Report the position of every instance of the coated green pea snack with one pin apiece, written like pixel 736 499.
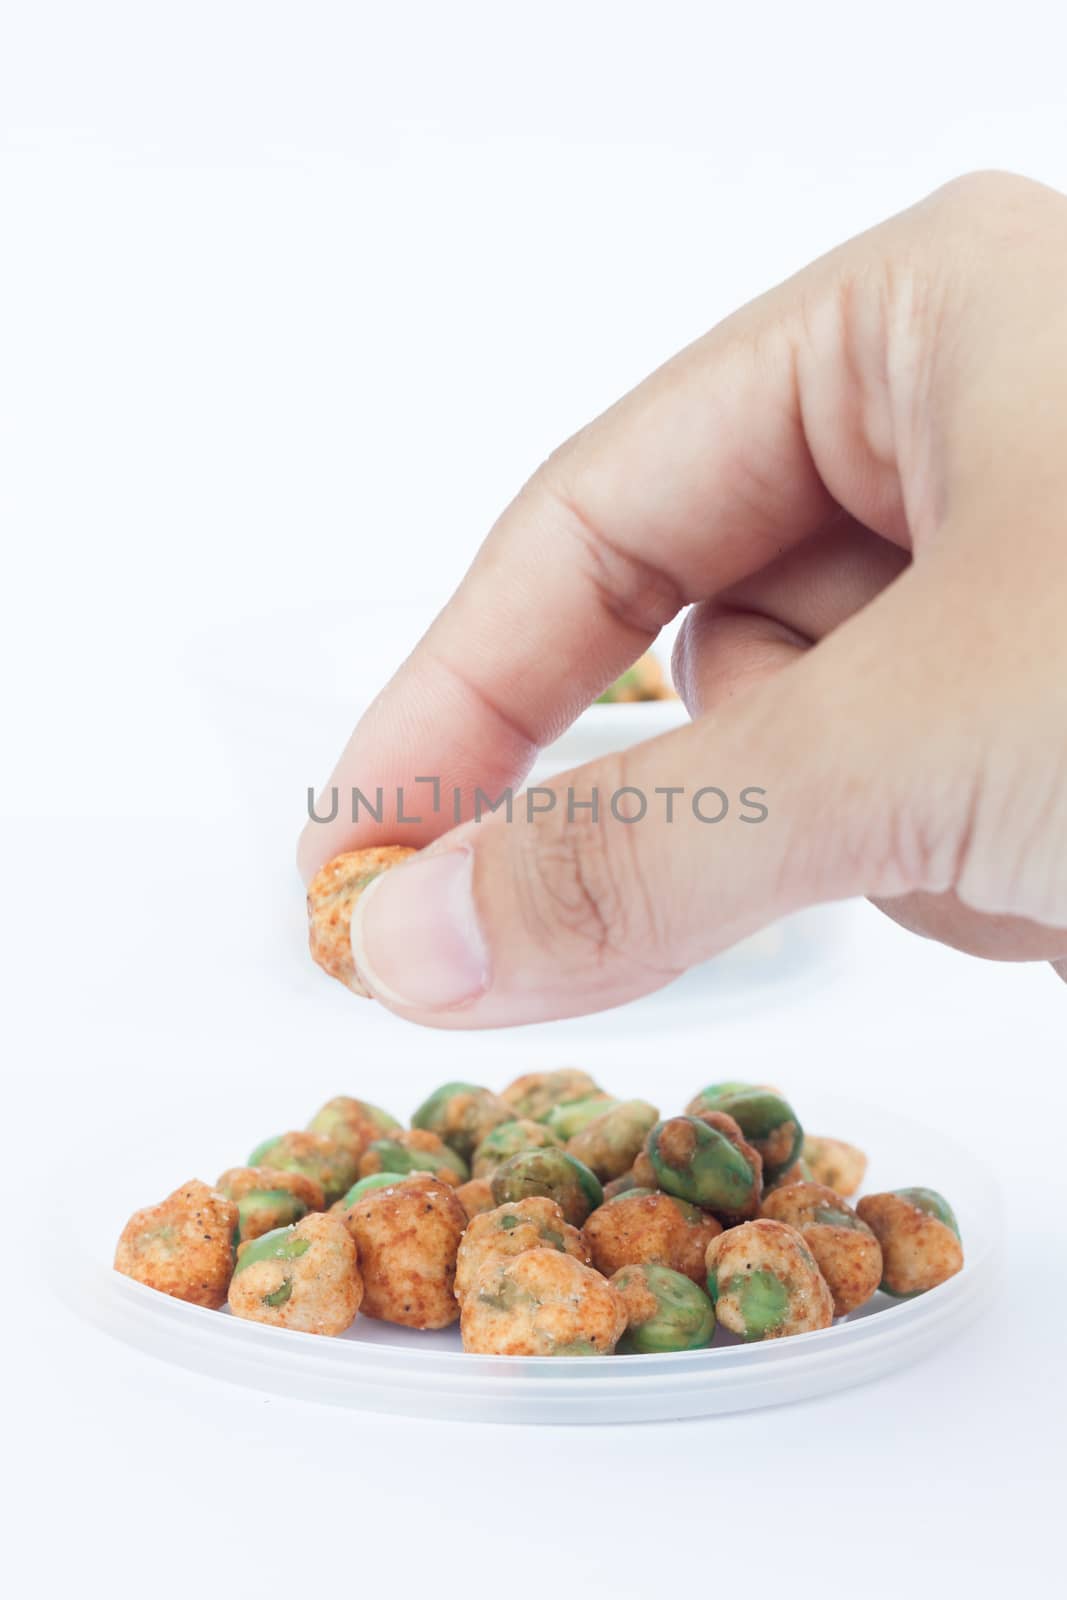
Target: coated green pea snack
pixel 183 1246
pixel 507 1139
pixel 919 1236
pixel 699 1163
pixel 846 1250
pixel 407 1236
pixel 552 1173
pixel 305 1277
pixel 541 1303
pixel 838 1165
pixel 569 1117
pixel 665 1311
pixel 414 1150
pixel 609 1143
pixel 269 1197
pixel 646 1225
pixel 373 1180
pixel 462 1114
pixel 535 1093
pixel 552 1219
pixel 764 1282
pixel 352 1123
pixel 534 1224
pixel 315 1155
pixel 768 1122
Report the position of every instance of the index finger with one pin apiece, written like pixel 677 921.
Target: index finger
pixel 693 481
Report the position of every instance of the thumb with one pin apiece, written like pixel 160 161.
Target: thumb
pixel 616 877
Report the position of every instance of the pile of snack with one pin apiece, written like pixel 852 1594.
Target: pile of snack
pixel 549 1220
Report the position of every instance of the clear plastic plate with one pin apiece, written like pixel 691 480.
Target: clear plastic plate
pixel 378 1367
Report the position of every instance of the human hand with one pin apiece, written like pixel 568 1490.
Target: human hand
pixel 859 484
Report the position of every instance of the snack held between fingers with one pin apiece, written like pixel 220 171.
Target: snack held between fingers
pixel 331 896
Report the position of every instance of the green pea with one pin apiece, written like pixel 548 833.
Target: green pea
pixel 708 1098
pixel 505 1295
pixel 768 1122
pixel 280 1204
pixel 258 1158
pixel 572 1116
pixel 711 1172
pixel 933 1204
pixel 763 1300
pixel 623 1185
pixel 507 1139
pixel 282 1244
pixel 535 1093
pixel 461 1114
pixel 398 1158
pixel 280 1295
pixel 339 1117
pixel 375 1180
pixel 832 1218
pixel 315 1154
pixel 684 1318
pixel 432 1114
pixel 554 1173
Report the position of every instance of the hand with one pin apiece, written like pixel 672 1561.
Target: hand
pixel 859 485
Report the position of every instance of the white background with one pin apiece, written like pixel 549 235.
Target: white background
pixel 292 298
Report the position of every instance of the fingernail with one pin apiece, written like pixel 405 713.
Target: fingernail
pixel 415 936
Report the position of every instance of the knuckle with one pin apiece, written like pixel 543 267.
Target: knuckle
pixel 997 208
pixel 634 592
pixel 579 883
pixel 1015 860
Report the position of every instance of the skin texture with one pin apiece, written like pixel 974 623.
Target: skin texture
pixel 838 1165
pixel 507 1140
pixel 536 1224
pixel 462 1114
pixel 476 1196
pixel 856 484
pixel 306 1277
pixel 331 895
pixel 183 1246
pixel 766 1120
pixel 609 1144
pixel 920 1245
pixel 846 1251
pixel 331 1166
pixel 408 1239
pixel 541 1303
pixel 553 1173
pixel 664 1311
pixel 535 1093
pixel 701 1164
pixel 268 1198
pixel 414 1150
pixel 646 1226
pixel 764 1282
pixel 353 1123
